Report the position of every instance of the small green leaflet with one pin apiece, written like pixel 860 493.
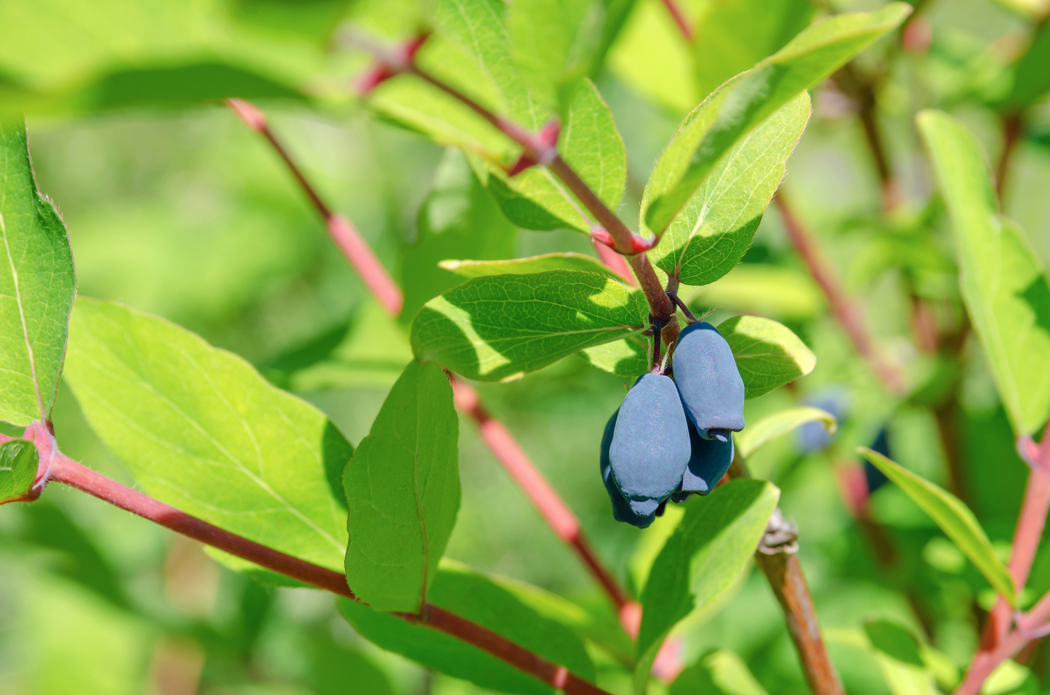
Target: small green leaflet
pixel 503 326
pixel 900 658
pixel 1003 281
pixel 954 518
pixel 751 439
pixel 747 100
pixel 525 266
pixel 476 598
pixel 715 228
pixel 201 430
pixel 552 42
pixel 37 286
pixel 402 486
pixel 767 353
pixel 18 464
pixel 701 560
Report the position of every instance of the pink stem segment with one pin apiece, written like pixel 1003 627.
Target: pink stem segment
pixel 70 473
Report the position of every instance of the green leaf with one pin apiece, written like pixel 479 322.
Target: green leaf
pixel 477 27
pixel 500 327
pixel 628 358
pixel 772 426
pixel 1031 78
pixel 719 672
pixel 900 658
pixel 18 464
pixel 526 266
pixel 201 430
pixel 954 518
pixel 592 146
pixel 476 598
pixel 552 42
pixel 705 555
pixel 767 353
pixel 732 36
pixel 1003 281
pixel 738 106
pixel 458 219
pixel 402 486
pixel 37 286
pixel 715 228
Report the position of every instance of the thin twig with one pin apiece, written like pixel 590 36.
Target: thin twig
pixel 780 565
pixel 998 642
pixel 846 311
pixel 1012 128
pixel 679 19
pixel 496 436
pixel 70 473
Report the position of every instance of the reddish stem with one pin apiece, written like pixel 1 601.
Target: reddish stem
pixel 1012 128
pixel 679 19
pixel 66 471
pixel 998 643
pixel 345 236
pixel 846 311
pixel 499 440
pixel 551 507
pixel 614 261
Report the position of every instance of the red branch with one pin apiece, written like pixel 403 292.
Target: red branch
pixel 845 309
pixel 679 19
pixel 499 440
pixel 345 236
pixel 998 643
pixel 66 471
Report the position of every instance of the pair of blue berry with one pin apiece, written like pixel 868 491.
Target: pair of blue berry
pixel 670 439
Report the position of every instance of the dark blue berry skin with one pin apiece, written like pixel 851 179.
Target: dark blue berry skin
pixel 709 381
pixel 874 477
pixel 650 446
pixel 621 509
pixel 710 460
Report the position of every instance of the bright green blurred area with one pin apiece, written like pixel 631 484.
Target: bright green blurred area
pixel 186 214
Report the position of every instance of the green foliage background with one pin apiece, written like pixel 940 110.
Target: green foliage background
pixel 184 213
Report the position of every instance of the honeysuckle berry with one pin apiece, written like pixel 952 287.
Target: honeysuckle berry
pixel 649 448
pixel 621 509
pixel 872 475
pixel 708 381
pixel 813 436
pixel 709 461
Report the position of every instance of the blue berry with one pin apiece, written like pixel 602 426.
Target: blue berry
pixel 710 460
pixel 621 509
pixel 709 382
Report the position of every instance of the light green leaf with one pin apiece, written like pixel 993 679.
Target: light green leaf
pixel 18 464
pixel 628 358
pixel 767 353
pixel 732 36
pixel 747 100
pixel 500 327
pixel 458 219
pixel 525 266
pixel 592 146
pixel 477 27
pixel 707 552
pixel 718 672
pixel 1003 282
pixel 476 598
pixel 715 228
pixel 402 486
pixel 765 290
pixel 954 518
pixel 772 426
pixel 201 430
pixel 37 286
pixel 900 658
pixel 552 42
